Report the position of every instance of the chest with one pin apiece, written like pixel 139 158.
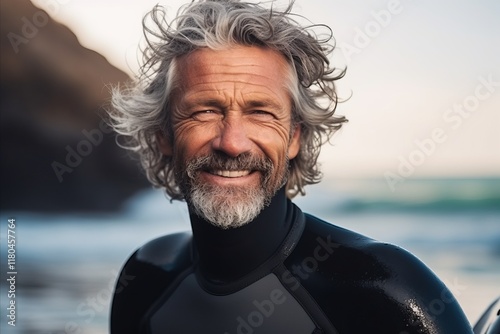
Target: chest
pixel 263 307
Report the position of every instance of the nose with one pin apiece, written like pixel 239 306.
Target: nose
pixel 233 138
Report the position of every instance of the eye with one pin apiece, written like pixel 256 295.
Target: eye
pixel 206 115
pixel 262 114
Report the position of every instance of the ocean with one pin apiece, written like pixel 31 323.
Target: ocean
pixel 67 264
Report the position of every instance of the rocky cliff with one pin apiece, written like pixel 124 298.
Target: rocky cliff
pixel 56 152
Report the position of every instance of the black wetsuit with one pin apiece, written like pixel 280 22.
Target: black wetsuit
pixel 285 272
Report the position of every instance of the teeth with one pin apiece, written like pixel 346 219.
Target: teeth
pixel 231 173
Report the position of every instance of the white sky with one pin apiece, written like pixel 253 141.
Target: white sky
pixel 413 66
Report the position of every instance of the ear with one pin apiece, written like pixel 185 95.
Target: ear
pixel 164 143
pixel 294 147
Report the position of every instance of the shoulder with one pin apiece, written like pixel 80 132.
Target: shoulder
pixel 361 251
pixel 380 282
pixel 144 277
pixel 167 252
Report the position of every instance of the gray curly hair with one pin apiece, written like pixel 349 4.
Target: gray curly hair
pixel 142 110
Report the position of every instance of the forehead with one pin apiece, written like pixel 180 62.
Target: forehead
pixel 254 66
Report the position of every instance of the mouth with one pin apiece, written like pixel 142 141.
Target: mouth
pixel 230 173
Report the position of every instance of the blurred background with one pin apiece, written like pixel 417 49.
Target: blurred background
pixel 417 165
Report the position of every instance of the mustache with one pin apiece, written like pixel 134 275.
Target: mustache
pixel 218 161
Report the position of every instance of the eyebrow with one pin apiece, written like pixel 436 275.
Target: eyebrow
pixel 204 102
pixel 211 102
pixel 264 103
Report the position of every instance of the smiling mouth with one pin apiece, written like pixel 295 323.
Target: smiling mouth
pixel 230 173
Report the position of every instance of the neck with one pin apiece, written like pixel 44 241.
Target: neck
pixel 226 255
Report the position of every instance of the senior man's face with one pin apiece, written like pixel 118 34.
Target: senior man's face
pixel 232 132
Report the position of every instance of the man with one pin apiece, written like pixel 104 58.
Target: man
pixel 229 114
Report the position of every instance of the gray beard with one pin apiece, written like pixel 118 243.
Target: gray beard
pixel 230 207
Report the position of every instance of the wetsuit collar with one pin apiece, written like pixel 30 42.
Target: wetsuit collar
pixel 226 255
